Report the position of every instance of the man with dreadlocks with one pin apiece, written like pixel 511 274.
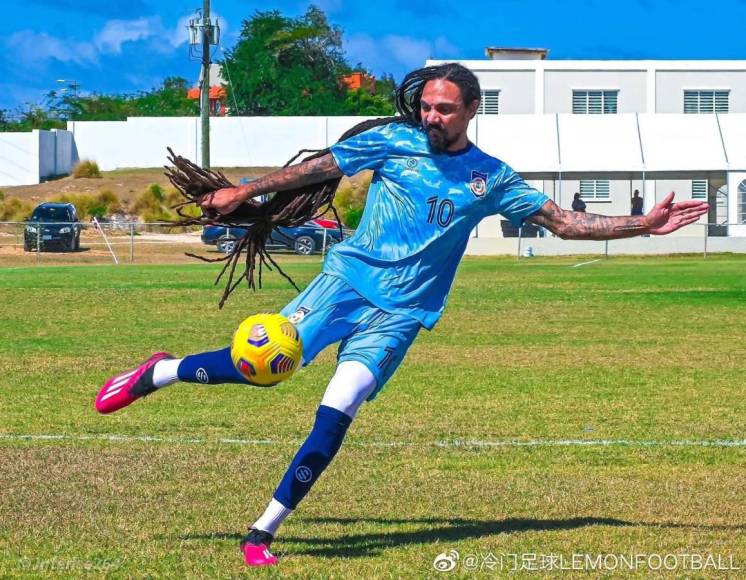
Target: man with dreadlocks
pixel 430 188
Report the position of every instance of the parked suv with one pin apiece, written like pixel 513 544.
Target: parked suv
pixel 52 225
pixel 304 239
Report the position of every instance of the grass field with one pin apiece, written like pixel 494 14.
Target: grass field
pixel 476 445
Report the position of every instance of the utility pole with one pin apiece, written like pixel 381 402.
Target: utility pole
pixel 203 32
pixel 204 109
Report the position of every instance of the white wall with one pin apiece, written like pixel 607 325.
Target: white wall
pixel 47 154
pixel 19 158
pixel 234 141
pixel 516 89
pixel 670 86
pixel 27 158
pixel 67 154
pixel 559 85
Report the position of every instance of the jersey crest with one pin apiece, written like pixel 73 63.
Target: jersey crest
pixel 478 184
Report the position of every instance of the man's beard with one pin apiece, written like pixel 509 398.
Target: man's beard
pixel 438 139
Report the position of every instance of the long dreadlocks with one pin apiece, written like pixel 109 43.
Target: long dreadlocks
pixel 293 207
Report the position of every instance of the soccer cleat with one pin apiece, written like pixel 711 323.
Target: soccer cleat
pixel 255 549
pixel 123 389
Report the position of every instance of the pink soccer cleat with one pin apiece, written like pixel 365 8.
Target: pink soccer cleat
pixel 123 389
pixel 255 549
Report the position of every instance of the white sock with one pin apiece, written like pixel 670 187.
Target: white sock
pixel 164 372
pixel 272 517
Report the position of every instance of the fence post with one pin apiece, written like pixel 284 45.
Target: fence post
pixel 38 240
pixel 520 233
pixel 606 248
pixel 132 242
pixel 707 226
pixel 323 246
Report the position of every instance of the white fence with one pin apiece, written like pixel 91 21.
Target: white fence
pixel 235 141
pixel 130 242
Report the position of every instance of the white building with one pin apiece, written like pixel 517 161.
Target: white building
pixel 607 128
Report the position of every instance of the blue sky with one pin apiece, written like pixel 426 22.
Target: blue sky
pixel 131 45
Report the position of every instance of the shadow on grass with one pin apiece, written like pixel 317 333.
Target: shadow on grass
pixel 435 530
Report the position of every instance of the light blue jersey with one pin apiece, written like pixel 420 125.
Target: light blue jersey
pixel 420 211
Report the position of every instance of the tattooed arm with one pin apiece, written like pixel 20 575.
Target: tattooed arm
pixel 226 200
pixel 664 218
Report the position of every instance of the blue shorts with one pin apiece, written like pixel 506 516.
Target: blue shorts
pixel 329 311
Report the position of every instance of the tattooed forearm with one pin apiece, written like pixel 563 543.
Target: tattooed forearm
pixel 571 225
pixel 294 177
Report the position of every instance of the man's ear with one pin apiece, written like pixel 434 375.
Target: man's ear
pixel 472 108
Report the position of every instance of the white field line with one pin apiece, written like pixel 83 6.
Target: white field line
pixel 586 263
pixel 450 443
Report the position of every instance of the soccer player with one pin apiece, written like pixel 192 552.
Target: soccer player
pixel 378 288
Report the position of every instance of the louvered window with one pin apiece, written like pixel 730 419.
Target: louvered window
pixel 703 102
pixel 594 102
pixel 594 189
pixel 699 189
pixel 490 103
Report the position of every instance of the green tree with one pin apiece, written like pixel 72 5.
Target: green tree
pixel 291 66
pixel 361 102
pixel 287 66
pixel 168 100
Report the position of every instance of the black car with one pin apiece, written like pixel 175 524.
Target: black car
pixel 304 239
pixel 52 225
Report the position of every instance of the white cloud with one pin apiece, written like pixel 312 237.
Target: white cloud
pixel 116 32
pixel 32 48
pixel 407 50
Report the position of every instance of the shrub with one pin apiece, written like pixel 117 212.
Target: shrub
pixel 152 205
pixel 350 199
pixel 86 168
pixel 13 209
pixel 100 205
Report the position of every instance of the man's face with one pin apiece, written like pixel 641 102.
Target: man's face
pixel 444 115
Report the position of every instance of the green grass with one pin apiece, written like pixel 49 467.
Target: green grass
pixel 639 352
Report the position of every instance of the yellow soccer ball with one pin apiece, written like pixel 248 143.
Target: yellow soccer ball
pixel 266 349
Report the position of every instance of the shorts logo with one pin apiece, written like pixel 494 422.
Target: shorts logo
pixel 298 316
pixel 387 358
pixel 478 184
pixel 411 163
pixel 202 376
pixel 303 474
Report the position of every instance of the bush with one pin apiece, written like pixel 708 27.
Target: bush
pixel 104 203
pixel 13 209
pixel 350 199
pixel 154 204
pixel 86 168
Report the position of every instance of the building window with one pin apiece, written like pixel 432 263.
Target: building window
pixel 490 103
pixel 701 102
pixel 699 189
pixel 742 200
pixel 594 102
pixel 594 189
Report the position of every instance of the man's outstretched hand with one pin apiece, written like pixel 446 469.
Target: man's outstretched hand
pixel 667 217
pixel 222 201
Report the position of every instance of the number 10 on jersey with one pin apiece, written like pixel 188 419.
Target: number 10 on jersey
pixel 442 209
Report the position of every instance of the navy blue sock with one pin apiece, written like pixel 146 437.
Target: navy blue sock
pixel 210 368
pixel 315 454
